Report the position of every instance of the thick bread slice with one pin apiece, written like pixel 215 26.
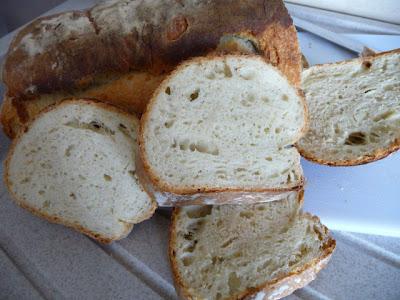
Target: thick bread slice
pixel 75 165
pixel 258 251
pixel 223 124
pixel 118 47
pixel 354 110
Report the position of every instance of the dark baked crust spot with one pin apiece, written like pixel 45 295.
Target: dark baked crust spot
pixel 177 27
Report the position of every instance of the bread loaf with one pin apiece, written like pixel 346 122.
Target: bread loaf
pixel 75 165
pixel 119 51
pixel 223 124
pixel 259 251
pixel 354 110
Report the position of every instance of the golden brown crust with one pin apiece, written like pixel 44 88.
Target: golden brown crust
pixel 367 158
pixel 360 59
pixel 182 31
pixel 128 226
pixel 299 277
pixel 9 118
pixel 376 155
pixel 206 198
pixel 304 62
pixel 296 279
pixel 161 186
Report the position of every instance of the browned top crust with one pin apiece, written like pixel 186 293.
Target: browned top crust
pixel 71 50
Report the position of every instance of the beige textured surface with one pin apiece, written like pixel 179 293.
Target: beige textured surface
pixel 354 110
pixel 75 165
pixel 237 251
pixel 224 123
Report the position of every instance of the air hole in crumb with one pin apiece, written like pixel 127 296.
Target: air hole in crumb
pixel 269 158
pixel 246 214
pixel 278 130
pixel 68 150
pixel 200 146
pixel 366 64
pixel 107 177
pixel 190 248
pixel 228 242
pixel 356 138
pixel 95 126
pixel 199 212
pixel 194 95
pixel 384 116
pixel 169 123
pixel 188 236
pixel 41 192
pixel 233 283
pixel 238 170
pixel 251 98
pixel 124 130
pixel 73 196
pixel 264 265
pixel 132 173
pixel 210 76
pixel 25 180
pixel 289 179
pixel 187 260
pixel 168 90
pixel 184 145
pixel 373 136
pixel 369 90
pixel 227 70
pixel 285 97
pixel 217 260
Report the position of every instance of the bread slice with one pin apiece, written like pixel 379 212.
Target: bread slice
pixel 257 251
pixel 223 124
pixel 354 110
pixel 75 165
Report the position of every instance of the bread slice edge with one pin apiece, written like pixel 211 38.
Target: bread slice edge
pixel 128 226
pixel 160 185
pixel 273 289
pixel 371 157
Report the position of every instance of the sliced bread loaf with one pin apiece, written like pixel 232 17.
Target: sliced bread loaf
pixel 354 110
pixel 75 165
pixel 258 251
pixel 223 124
